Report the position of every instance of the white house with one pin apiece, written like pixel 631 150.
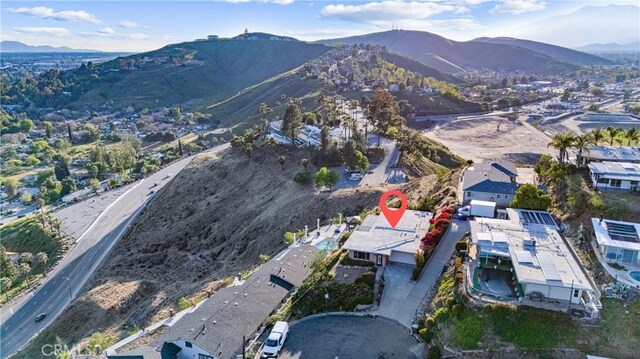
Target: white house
pixel 376 241
pixel 611 154
pixel 539 258
pixel 493 181
pixel 607 176
pixel 617 241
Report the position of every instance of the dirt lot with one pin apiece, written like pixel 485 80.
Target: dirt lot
pixel 480 138
pixel 212 221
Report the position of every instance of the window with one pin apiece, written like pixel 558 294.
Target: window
pixel 616 183
pixel 188 345
pixel 469 194
pixel 603 180
pixel 498 196
pixel 634 183
pixel 202 356
pixel 360 255
pixel 575 293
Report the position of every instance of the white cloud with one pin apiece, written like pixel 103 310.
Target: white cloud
pixel 52 31
pixel 386 12
pixel 517 7
pixel 44 12
pixel 128 24
pixel 137 36
pixel 107 30
pixel 279 2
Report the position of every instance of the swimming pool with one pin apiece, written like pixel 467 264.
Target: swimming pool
pixel 635 275
pixel 328 244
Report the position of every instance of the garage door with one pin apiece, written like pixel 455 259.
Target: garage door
pixel 402 257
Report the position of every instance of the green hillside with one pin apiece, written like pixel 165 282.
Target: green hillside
pixel 194 72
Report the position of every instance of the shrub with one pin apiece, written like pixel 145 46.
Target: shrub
pixel 367 278
pixel 425 334
pixel 461 246
pixel 303 177
pixel 435 352
pixel 451 302
pixel 430 321
pixel 457 310
pixel 288 238
pixel 441 313
pixel 420 263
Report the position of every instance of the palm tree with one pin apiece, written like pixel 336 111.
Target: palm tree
pixel 632 135
pixel 25 270
pixel 6 285
pixel 42 259
pixel 561 142
pixel 596 135
pixel 580 143
pixel 26 257
pixel 613 133
pixel 281 161
pixel 264 110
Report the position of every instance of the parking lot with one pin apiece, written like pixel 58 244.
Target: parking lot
pixel 334 337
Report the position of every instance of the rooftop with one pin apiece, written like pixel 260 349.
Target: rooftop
pixel 613 153
pixel 375 235
pixel 616 170
pixel 538 253
pixel 491 176
pixel 616 233
pixel 219 323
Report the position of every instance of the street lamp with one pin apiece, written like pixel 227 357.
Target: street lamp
pixel 69 281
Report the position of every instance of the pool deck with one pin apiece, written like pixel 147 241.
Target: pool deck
pixel 622 276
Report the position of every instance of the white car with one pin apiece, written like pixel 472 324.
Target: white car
pixel 275 341
pixel 355 177
pixel 464 211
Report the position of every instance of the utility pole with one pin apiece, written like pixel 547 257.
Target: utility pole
pixel 243 348
pixel 326 302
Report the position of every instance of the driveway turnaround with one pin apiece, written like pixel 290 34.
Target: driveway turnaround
pixel 339 336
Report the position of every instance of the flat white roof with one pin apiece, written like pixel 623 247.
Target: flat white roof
pixel 619 234
pixel 483 203
pixel 613 153
pixel 548 262
pixel 375 234
pixel 619 170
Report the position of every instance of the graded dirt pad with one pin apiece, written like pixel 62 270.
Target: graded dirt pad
pixel 212 220
pixel 480 138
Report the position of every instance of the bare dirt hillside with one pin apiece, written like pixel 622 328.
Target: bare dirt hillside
pixel 213 220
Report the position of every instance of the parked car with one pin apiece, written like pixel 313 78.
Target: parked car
pixel 355 177
pixel 40 316
pixel 275 341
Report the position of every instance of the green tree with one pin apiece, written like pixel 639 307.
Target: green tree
pixel 26 197
pixel 594 107
pixel 385 112
pixel 324 139
pixel 281 161
pixel 43 258
pixel 596 135
pixel 93 133
pixel 31 161
pixel 292 122
pixel 349 155
pixel 326 177
pixel 7 269
pixel 362 162
pixel 26 125
pixel 68 186
pixel 613 132
pixel 632 135
pixel 25 272
pixel 597 91
pixel 565 95
pixel 264 111
pixel 562 142
pixel 48 128
pixel 175 113
pixel 11 186
pixel 529 196
pixel 580 143
pixel 5 285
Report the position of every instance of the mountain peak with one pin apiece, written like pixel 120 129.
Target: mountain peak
pixel 263 36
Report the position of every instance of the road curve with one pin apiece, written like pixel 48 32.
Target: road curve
pixel 64 283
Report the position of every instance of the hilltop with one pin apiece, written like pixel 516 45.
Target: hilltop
pixel 453 56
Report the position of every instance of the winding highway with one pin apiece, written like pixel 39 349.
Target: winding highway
pixel 66 281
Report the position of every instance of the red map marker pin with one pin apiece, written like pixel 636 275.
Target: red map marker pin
pixel 393 215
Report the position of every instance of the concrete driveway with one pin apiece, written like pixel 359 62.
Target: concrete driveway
pixel 397 288
pixel 385 171
pixel 337 337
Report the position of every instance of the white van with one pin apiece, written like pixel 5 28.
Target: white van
pixel 275 341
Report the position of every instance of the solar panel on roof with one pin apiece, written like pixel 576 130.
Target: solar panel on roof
pixel 549 268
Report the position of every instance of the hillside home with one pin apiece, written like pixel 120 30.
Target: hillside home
pixel 611 154
pixel 376 241
pixel 617 241
pixel 612 176
pixel 493 181
pixel 528 248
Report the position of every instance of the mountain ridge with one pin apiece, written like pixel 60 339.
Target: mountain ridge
pixel 17 46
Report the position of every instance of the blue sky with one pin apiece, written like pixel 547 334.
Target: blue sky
pixel 146 25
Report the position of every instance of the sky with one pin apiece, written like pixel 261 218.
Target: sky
pixel 147 25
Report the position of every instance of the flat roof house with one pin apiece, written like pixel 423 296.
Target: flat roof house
pixel 376 241
pixel 611 154
pixel 492 181
pixel 529 243
pixel 610 176
pixel 617 241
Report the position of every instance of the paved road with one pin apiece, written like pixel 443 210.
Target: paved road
pixel 66 281
pixel 402 298
pixel 334 337
pixel 385 172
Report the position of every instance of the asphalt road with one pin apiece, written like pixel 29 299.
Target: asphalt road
pixel 66 281
pixel 337 337
pixel 385 171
